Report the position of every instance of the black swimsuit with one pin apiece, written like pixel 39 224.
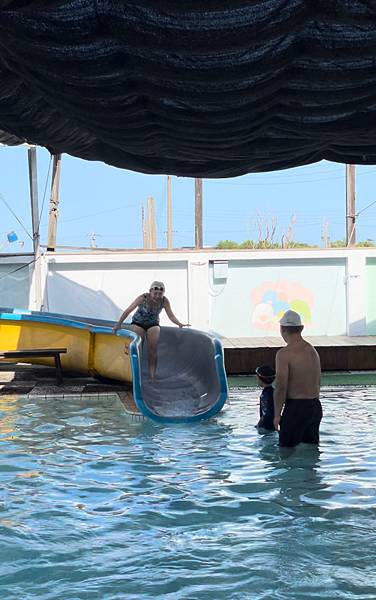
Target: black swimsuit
pixel 266 409
pixel 146 316
pixel 300 422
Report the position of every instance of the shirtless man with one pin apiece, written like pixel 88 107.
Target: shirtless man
pixel 297 386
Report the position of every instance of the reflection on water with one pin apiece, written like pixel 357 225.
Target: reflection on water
pixel 92 506
pixel 8 408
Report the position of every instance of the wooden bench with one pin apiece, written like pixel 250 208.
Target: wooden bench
pixel 39 352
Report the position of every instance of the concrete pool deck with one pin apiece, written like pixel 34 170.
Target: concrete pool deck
pixel 34 380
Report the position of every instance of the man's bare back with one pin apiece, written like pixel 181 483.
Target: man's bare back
pixel 304 370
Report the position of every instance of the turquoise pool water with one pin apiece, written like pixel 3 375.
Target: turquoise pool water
pixel 95 507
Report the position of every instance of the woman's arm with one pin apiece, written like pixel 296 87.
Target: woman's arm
pixel 171 315
pixel 127 312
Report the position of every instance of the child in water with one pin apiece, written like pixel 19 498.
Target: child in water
pixel 265 378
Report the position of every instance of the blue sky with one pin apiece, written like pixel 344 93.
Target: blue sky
pixel 97 198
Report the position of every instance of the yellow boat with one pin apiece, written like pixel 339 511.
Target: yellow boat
pixel 191 381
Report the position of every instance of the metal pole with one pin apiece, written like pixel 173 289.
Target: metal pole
pixel 350 206
pixel 325 233
pixel 198 213
pixel 151 223
pixel 36 283
pixel 54 203
pixel 169 213
pixel 144 234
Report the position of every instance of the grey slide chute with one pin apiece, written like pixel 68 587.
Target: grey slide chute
pixel 191 382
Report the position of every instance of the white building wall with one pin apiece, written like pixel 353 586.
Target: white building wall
pixel 102 284
pixel 356 282
pixel 15 280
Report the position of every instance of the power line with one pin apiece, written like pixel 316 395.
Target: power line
pixel 365 208
pixel 19 268
pixel 15 216
pixel 283 180
pixel 123 206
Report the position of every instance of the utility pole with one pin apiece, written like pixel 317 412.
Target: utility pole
pixel 144 233
pixel 150 224
pixel 93 240
pixel 36 279
pixel 54 203
pixel 325 238
pixel 169 213
pixel 350 206
pixel 198 213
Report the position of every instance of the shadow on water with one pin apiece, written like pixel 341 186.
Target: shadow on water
pixel 295 472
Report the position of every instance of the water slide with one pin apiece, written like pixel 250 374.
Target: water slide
pixel 191 383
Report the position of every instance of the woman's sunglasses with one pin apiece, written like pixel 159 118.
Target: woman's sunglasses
pixel 158 289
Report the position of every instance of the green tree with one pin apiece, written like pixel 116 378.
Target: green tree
pixel 338 244
pixel 260 245
pixel 247 245
pixel 300 245
pixel 227 245
pixel 363 244
pixel 366 244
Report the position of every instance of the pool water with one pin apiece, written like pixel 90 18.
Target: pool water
pixel 95 507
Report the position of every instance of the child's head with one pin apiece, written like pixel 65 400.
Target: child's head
pixel 265 375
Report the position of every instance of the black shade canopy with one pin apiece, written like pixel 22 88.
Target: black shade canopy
pixel 195 88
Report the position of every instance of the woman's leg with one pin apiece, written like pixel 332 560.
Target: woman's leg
pixel 152 335
pixel 137 329
pixel 141 332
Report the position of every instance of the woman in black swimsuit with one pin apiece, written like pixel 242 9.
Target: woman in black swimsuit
pixel 145 321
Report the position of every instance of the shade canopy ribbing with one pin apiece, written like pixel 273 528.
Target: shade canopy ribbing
pixel 192 88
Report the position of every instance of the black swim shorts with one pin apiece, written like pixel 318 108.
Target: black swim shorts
pixel 300 422
pixel 145 326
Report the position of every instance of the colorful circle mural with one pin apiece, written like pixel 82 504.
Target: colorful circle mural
pixel 272 298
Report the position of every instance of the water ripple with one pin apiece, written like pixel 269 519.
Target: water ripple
pixel 92 506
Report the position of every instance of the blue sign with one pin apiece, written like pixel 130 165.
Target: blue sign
pixel 12 237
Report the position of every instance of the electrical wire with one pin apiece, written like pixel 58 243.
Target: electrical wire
pixel 365 208
pixel 15 216
pixel 41 211
pixel 287 180
pixel 19 268
pixel 122 207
